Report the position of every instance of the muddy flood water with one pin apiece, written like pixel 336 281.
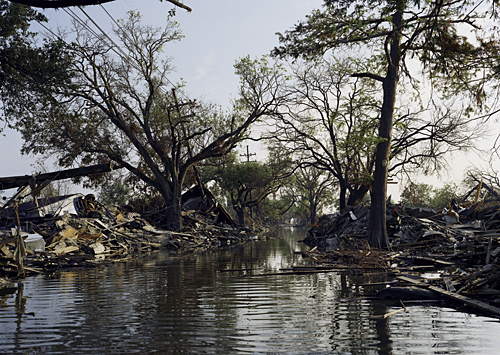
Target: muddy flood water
pixel 164 304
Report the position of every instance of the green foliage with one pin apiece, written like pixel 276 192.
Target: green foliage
pixel 416 195
pixel 242 178
pixel 246 184
pixel 283 206
pixel 424 195
pixel 26 68
pixel 315 191
pixel 442 196
pixel 115 193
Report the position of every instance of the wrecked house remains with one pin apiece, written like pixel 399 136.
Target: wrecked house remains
pixel 452 253
pixel 77 230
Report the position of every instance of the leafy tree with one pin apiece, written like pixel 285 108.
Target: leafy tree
pixel 442 196
pixel 424 195
pixel 315 188
pixel 247 184
pixel 416 195
pixel 398 30
pixel 25 67
pixel 116 193
pixel 118 109
pixel 276 208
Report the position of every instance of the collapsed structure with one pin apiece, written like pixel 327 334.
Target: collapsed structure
pixel 77 230
pixel 453 251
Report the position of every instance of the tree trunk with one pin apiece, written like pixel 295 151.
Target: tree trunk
pixel 174 217
pixel 343 192
pixel 357 196
pixel 378 229
pixel 173 207
pixel 240 212
pixel 313 213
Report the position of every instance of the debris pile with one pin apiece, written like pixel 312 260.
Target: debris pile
pixel 453 251
pixel 77 230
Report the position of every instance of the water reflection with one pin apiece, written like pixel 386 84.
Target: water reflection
pixel 186 305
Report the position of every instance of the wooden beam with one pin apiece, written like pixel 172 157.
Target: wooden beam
pixel 454 296
pixel 18 181
pixel 55 4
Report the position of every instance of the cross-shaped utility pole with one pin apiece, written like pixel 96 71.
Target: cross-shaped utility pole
pixel 248 154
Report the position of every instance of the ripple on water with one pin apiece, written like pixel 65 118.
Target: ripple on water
pixel 184 306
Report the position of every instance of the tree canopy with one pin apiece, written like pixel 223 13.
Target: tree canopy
pixel 246 184
pixel 399 31
pixel 120 107
pixel 25 66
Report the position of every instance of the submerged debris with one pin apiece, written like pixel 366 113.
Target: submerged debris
pixel 77 230
pixel 454 252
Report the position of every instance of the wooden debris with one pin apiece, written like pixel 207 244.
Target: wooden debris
pixel 387 315
pixel 73 240
pixel 456 297
pixel 66 250
pixel 464 256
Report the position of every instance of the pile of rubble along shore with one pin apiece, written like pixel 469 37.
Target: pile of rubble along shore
pixel 454 251
pixel 106 233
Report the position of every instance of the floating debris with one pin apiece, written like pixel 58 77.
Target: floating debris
pixel 451 252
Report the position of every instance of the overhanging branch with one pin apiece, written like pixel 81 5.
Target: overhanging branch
pixel 53 4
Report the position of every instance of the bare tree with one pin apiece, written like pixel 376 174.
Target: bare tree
pixel 119 108
pixel 330 121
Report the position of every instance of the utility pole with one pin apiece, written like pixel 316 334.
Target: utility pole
pixel 248 155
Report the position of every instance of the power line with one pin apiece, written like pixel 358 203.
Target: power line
pixel 49 30
pixel 126 35
pixel 106 11
pixel 79 20
pixel 112 44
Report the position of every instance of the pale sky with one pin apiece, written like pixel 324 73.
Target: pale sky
pixel 217 33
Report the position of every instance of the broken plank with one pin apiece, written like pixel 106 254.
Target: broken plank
pixel 378 283
pixel 432 260
pixel 454 296
pixel 32 269
pixel 12 240
pixel 7 252
pixel 305 272
pixel 66 250
pixel 296 272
